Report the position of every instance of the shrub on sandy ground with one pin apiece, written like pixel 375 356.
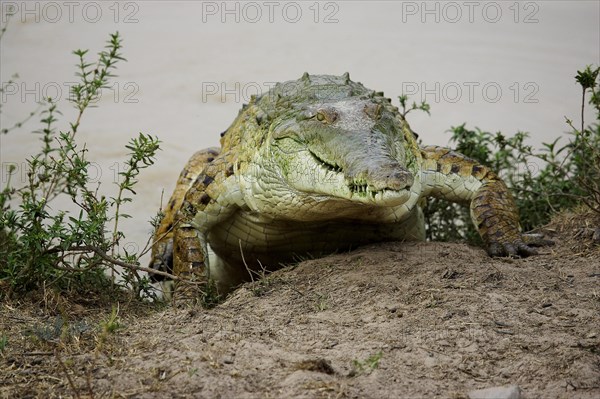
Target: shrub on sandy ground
pixel 42 247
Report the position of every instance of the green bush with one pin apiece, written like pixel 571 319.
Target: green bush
pixel 559 176
pixel 45 248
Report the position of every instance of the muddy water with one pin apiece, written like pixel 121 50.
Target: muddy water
pixel 498 65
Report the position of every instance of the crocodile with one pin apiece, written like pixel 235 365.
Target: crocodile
pixel 314 166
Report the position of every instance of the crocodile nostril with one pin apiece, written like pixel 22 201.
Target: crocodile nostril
pixel 396 179
pixel 399 180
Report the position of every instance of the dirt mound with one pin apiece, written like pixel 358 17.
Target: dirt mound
pixel 391 320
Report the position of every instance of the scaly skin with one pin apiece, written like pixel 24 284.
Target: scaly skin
pixel 311 167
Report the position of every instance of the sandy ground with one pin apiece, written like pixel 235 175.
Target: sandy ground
pixel 391 320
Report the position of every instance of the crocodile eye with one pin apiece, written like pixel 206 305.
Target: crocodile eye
pixel 326 115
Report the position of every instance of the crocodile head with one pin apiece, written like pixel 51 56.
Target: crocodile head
pixel 333 140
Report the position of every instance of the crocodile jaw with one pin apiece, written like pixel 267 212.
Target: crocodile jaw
pixel 308 176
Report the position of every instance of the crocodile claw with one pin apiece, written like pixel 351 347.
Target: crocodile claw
pixel 512 250
pixel 162 259
pixel 536 240
pixel 522 247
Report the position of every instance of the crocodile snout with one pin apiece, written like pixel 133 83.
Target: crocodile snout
pixel 390 178
pixel 379 176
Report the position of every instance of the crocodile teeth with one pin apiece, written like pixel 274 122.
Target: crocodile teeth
pixel 327 165
pixel 360 188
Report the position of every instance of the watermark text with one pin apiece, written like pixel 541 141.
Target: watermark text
pixel 469 11
pixel 70 11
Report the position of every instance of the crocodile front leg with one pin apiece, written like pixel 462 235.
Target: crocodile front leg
pixel 449 175
pixel 213 197
pixel 205 195
pixel 162 247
